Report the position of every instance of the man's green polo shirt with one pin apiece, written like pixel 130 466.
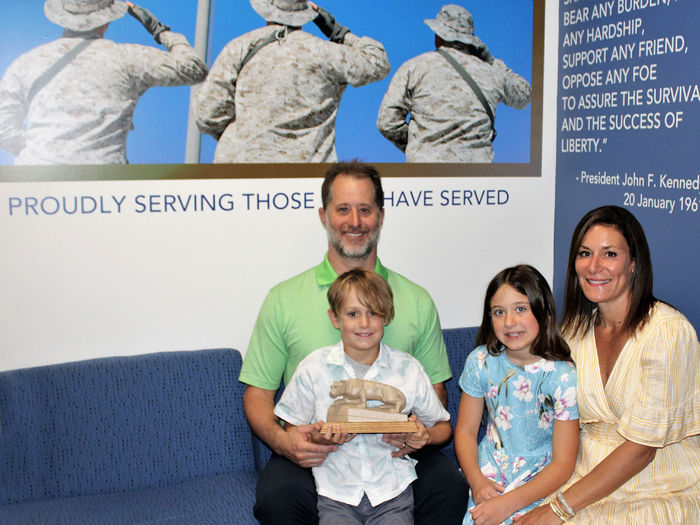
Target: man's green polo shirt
pixel 293 322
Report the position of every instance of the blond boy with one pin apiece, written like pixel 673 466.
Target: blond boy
pixel 365 478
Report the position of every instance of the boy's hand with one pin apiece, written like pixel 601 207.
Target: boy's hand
pixel 420 438
pixel 485 489
pixel 408 442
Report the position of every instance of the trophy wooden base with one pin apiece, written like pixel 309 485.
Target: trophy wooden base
pixel 373 427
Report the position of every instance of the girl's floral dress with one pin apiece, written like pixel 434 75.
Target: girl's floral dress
pixel 522 404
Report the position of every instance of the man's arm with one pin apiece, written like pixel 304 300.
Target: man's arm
pixel 295 444
pixel 214 106
pixel 180 66
pixel 517 91
pixel 441 391
pixel 430 347
pixel 259 404
pixel 395 107
pixel 365 62
pixel 12 112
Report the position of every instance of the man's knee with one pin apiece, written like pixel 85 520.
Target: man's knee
pixel 440 492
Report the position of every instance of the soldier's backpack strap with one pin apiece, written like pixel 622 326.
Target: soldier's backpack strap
pixel 57 66
pixel 276 35
pixel 472 84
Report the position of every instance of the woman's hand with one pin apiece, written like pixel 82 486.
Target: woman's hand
pixel 541 515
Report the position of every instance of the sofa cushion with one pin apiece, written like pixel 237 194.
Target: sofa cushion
pixel 215 500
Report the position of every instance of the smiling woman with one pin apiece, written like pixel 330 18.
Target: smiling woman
pixel 609 259
pixel 605 269
pixel 638 366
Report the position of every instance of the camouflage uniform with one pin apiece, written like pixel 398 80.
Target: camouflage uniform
pixel 282 107
pixel 448 123
pixel 83 114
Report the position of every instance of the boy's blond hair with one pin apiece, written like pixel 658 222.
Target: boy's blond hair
pixel 371 290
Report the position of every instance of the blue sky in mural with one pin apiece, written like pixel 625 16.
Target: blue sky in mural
pixel 161 115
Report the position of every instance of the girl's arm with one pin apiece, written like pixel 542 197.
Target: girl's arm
pixel 466 432
pixel 549 479
pixel 621 465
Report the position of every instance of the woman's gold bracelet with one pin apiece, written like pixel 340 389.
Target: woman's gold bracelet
pixel 558 511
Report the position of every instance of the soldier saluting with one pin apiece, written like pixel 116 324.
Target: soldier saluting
pixel 273 94
pixel 450 95
pixel 71 101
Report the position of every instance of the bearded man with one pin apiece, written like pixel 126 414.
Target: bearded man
pixel 293 322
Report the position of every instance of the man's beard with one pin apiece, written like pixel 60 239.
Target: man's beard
pixel 354 252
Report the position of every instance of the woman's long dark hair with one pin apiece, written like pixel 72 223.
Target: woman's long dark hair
pixel 578 315
pixel 549 342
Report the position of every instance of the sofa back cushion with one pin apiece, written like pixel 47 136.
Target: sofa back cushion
pixel 459 342
pixel 121 423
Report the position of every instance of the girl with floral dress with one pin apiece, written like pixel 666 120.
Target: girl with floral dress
pixel 522 373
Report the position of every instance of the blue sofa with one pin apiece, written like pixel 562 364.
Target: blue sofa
pixel 148 439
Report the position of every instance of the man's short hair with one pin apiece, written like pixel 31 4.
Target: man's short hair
pixel 353 168
pixel 371 289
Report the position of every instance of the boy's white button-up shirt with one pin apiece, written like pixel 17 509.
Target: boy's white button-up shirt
pixel 364 465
